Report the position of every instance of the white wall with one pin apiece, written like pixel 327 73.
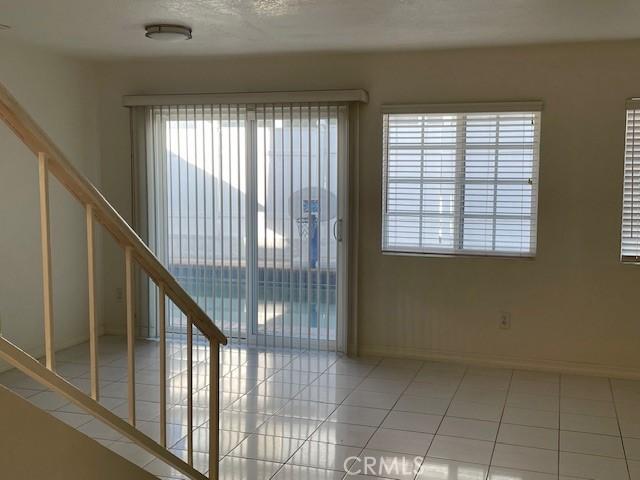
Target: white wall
pixel 573 307
pixel 60 94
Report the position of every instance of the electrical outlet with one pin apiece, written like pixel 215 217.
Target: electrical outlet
pixel 505 320
pixel 119 294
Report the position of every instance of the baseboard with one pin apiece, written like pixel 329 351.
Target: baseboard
pixel 560 366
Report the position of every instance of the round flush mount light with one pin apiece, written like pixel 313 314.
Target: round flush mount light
pixel 168 32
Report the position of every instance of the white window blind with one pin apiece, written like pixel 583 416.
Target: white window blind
pixel 462 182
pixel 630 248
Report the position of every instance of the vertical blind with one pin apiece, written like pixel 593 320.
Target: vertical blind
pixel 460 183
pixel 242 203
pixel 630 238
pixel 194 185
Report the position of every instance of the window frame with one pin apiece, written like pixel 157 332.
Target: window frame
pixel 632 107
pixel 458 109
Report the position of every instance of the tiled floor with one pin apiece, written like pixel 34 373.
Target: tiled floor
pixel 302 415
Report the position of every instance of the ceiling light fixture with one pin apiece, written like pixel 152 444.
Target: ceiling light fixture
pixel 168 32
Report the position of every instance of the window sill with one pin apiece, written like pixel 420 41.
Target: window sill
pixel 496 256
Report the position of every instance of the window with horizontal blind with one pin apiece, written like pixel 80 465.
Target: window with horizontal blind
pixel 461 180
pixel 630 238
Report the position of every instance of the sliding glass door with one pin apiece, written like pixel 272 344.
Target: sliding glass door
pixel 244 205
pixel 296 214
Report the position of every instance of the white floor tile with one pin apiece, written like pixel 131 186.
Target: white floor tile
pixel 414 422
pixel 383 385
pixel 534 402
pixel 277 389
pixel 307 409
pixel 534 387
pixel 589 424
pixel 593 388
pixel 532 418
pixel 228 440
pixel 356 370
pixel 441 469
pixel 324 455
pixel 501 473
pixel 378 463
pixel 528 436
pixel 584 406
pixel 632 448
pixel 484 396
pixel 294 376
pixel 433 390
pixel 427 405
pixel 97 429
pixel 533 375
pixel 629 428
pixel 363 398
pixel 48 400
pixel 300 428
pixel 144 410
pixel 72 419
pixel 258 404
pixel 400 441
pixel 525 458
pixel 592 467
pixel 267 448
pixel 295 472
pixel 163 471
pixel 241 421
pixel 115 390
pixel 475 411
pixel 468 428
pixel 371 417
pixel 323 394
pixel 235 468
pixel 591 443
pixel 343 434
pixel 329 380
pixel 24 392
pixel 461 449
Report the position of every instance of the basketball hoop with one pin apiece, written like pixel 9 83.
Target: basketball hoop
pixel 303 226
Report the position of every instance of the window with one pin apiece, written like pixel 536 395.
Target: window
pixel 464 182
pixel 630 238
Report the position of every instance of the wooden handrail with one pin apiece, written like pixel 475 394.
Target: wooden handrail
pixel 52 161
pixel 18 120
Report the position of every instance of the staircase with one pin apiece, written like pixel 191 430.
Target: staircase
pixel 52 162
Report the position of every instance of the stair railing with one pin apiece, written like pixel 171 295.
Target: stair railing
pixel 52 161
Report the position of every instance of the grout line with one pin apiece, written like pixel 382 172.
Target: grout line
pixel 504 406
pixel 466 369
pixel 615 408
pixel 559 418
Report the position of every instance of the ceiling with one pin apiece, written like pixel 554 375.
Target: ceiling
pixel 114 28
